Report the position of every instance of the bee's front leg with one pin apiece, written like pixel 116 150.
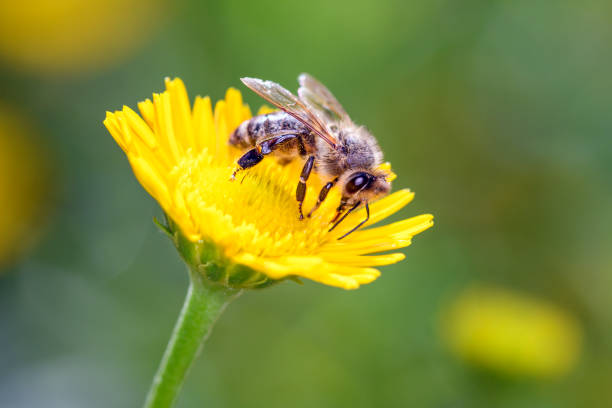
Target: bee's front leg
pixel 367 208
pixel 300 192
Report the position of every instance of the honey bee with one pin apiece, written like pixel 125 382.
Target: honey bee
pixel 314 127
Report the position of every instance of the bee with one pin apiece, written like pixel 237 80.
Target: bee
pixel 314 127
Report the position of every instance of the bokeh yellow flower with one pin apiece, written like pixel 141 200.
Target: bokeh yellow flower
pixel 24 185
pixel 70 36
pixel 511 333
pixel 250 227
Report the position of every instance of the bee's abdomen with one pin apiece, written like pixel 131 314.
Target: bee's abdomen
pixel 266 126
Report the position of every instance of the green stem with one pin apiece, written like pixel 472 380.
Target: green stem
pixel 202 307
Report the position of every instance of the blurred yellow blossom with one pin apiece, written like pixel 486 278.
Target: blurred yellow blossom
pixel 511 333
pixel 23 185
pixel 70 36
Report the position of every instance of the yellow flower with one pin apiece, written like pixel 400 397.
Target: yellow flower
pixel 512 333
pixel 69 36
pixel 247 233
pixel 24 185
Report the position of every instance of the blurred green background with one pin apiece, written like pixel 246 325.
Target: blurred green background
pixel 496 113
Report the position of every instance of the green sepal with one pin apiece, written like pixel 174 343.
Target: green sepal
pixel 295 279
pixel 208 260
pixel 162 227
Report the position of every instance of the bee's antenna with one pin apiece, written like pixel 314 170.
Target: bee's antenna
pixel 361 223
pixel 344 216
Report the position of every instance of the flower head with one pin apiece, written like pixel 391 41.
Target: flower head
pixel 26 192
pixel 511 333
pixel 63 37
pixel 247 233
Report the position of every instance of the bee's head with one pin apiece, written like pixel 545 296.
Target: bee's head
pixel 362 186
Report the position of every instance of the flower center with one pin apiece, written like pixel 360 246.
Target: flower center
pixel 256 213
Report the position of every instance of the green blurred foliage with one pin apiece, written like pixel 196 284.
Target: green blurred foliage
pixel 497 113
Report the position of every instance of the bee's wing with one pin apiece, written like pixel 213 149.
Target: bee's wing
pixel 285 100
pixel 319 99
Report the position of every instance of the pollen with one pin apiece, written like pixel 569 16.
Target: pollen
pixel 181 156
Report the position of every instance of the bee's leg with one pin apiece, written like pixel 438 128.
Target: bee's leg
pixel 249 159
pixel 339 211
pixel 361 223
pixel 323 195
pixel 300 192
pixel 256 154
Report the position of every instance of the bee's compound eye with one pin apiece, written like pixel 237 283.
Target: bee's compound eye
pixel 358 182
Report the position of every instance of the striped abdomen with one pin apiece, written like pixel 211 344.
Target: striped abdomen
pixel 262 127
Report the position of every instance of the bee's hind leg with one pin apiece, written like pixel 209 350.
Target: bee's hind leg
pixel 267 146
pixel 300 192
pixel 249 159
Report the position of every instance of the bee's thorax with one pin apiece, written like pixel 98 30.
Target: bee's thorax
pixel 357 149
